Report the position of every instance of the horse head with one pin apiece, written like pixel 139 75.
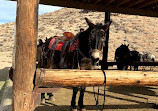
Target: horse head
pixel 94 40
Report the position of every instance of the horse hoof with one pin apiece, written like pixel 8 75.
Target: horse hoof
pixel 73 109
pixel 43 101
pixel 83 109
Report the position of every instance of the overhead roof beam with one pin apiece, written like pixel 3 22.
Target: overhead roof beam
pixel 104 7
pixel 84 1
pixel 97 1
pixel 120 2
pixel 155 6
pixel 107 2
pixel 134 3
pixel 100 7
pixel 144 4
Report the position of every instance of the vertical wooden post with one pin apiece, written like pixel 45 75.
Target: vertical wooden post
pixel 104 64
pixel 25 56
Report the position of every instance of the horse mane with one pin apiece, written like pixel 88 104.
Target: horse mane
pixel 84 42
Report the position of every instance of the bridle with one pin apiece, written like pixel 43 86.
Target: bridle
pixel 97 35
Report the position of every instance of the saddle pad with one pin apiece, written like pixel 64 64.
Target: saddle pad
pixel 57 45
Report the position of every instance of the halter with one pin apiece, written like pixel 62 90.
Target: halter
pixel 98 35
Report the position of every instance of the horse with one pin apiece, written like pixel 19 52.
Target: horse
pixel 147 57
pixel 122 57
pixel 134 57
pixel 82 52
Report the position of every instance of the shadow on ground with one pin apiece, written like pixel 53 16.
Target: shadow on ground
pixel 3 77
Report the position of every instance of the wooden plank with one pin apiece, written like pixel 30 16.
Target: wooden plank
pixel 144 4
pixel 107 2
pixel 71 78
pixel 145 63
pixel 97 1
pixel 120 2
pixel 127 9
pixel 132 3
pixel 25 57
pixel 99 7
pixel 136 63
pixel 155 7
pixel 84 1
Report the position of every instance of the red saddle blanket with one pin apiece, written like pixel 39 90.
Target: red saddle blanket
pixel 56 44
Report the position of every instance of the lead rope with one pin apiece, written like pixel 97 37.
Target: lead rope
pixel 96 98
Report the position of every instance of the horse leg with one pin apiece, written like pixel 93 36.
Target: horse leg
pixel 48 63
pixel 43 98
pixel 130 67
pixel 51 98
pixel 135 68
pixel 80 102
pixel 73 101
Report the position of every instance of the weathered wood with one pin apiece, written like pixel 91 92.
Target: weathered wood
pixel 145 63
pixel 105 48
pixel 25 57
pixel 136 63
pixel 71 78
pixel 129 7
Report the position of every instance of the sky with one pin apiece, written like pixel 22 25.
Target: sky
pixel 8 10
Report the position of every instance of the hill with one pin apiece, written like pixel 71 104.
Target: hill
pixel 138 31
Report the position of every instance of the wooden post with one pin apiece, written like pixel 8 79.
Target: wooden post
pixel 25 56
pixel 104 64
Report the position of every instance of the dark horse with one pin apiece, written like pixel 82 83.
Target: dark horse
pixel 122 57
pixel 134 58
pixel 88 44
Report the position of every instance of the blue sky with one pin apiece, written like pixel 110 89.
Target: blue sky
pixel 8 10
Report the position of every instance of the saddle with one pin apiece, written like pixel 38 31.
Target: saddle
pixel 64 44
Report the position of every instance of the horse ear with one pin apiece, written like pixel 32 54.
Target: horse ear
pixel 89 23
pixel 107 25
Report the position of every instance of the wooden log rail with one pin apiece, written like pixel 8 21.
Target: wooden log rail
pixel 136 63
pixel 145 63
pixel 71 78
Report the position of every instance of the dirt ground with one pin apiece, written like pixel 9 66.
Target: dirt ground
pixel 117 98
pixel 122 98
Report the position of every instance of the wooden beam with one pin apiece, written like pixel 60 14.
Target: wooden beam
pixel 155 7
pixel 25 57
pixel 107 2
pixel 144 4
pixel 97 1
pixel 76 78
pixel 132 3
pixel 103 7
pixel 99 7
pixel 120 2
pixel 84 1
pixel 104 64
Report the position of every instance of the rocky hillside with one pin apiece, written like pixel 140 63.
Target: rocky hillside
pixel 139 32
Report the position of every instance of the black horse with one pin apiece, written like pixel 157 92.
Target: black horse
pixel 88 45
pixel 135 57
pixel 122 57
